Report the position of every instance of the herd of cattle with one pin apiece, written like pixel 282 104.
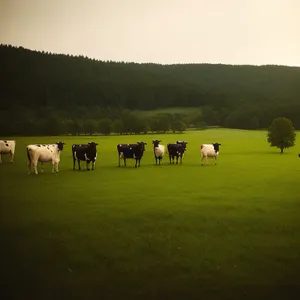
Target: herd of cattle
pixel 43 153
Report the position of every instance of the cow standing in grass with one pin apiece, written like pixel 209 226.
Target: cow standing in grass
pixel 7 147
pixel 134 151
pixel 84 152
pixel 209 150
pixel 159 151
pixel 44 153
pixel 176 150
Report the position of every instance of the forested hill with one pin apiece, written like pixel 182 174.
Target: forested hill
pixel 35 80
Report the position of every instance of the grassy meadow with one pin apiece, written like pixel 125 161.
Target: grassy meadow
pixel 230 231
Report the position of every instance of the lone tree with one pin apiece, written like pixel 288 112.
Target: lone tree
pixel 281 133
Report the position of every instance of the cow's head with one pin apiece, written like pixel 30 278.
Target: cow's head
pixel 92 151
pixel 183 143
pixel 60 145
pixel 216 147
pixel 156 143
pixel 92 145
pixel 141 145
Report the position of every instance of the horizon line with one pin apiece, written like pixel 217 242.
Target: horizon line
pixel 145 63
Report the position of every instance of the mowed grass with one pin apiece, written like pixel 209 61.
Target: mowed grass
pixel 230 231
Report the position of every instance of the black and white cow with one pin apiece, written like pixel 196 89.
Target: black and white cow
pixel 134 151
pixel 159 151
pixel 84 152
pixel 44 153
pixel 176 150
pixel 209 150
pixel 7 147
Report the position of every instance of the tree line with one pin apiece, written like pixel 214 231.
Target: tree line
pixel 45 93
pixel 50 122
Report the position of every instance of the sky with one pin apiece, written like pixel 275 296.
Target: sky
pixel 238 32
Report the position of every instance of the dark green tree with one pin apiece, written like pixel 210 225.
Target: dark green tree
pixel 281 133
pixel 117 126
pixel 90 126
pixel 153 124
pixel 128 118
pixel 138 125
pixel 78 126
pixel 178 125
pixel 50 126
pixel 69 127
pixel 105 126
pixel 163 122
pixel 210 117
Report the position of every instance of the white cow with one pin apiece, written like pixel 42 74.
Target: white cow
pixel 159 150
pixel 7 147
pixel 209 150
pixel 44 153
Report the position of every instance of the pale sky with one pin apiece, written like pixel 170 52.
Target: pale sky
pixel 255 32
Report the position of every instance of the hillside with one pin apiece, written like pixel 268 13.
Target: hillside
pixel 71 86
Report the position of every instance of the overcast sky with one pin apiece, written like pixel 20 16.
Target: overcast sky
pixel 252 32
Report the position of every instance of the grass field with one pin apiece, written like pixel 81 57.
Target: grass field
pixel 230 231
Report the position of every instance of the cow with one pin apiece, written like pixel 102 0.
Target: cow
pixel 85 152
pixel 44 153
pixel 7 147
pixel 134 151
pixel 159 151
pixel 176 150
pixel 209 150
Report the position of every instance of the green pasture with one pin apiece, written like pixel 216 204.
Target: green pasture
pixel 230 231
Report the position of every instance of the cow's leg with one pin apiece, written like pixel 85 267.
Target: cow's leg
pixel 124 162
pixel 53 166
pixel 79 168
pixel 170 158
pixel 139 162
pixel 0 158
pixel 57 167
pixel 176 160
pixel 119 160
pixel 11 157
pixel 42 167
pixel 93 165
pixel 180 159
pixel 35 167
pixel 136 161
pixel 88 165
pixel 159 159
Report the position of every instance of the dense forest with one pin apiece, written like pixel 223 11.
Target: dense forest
pixel 46 93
